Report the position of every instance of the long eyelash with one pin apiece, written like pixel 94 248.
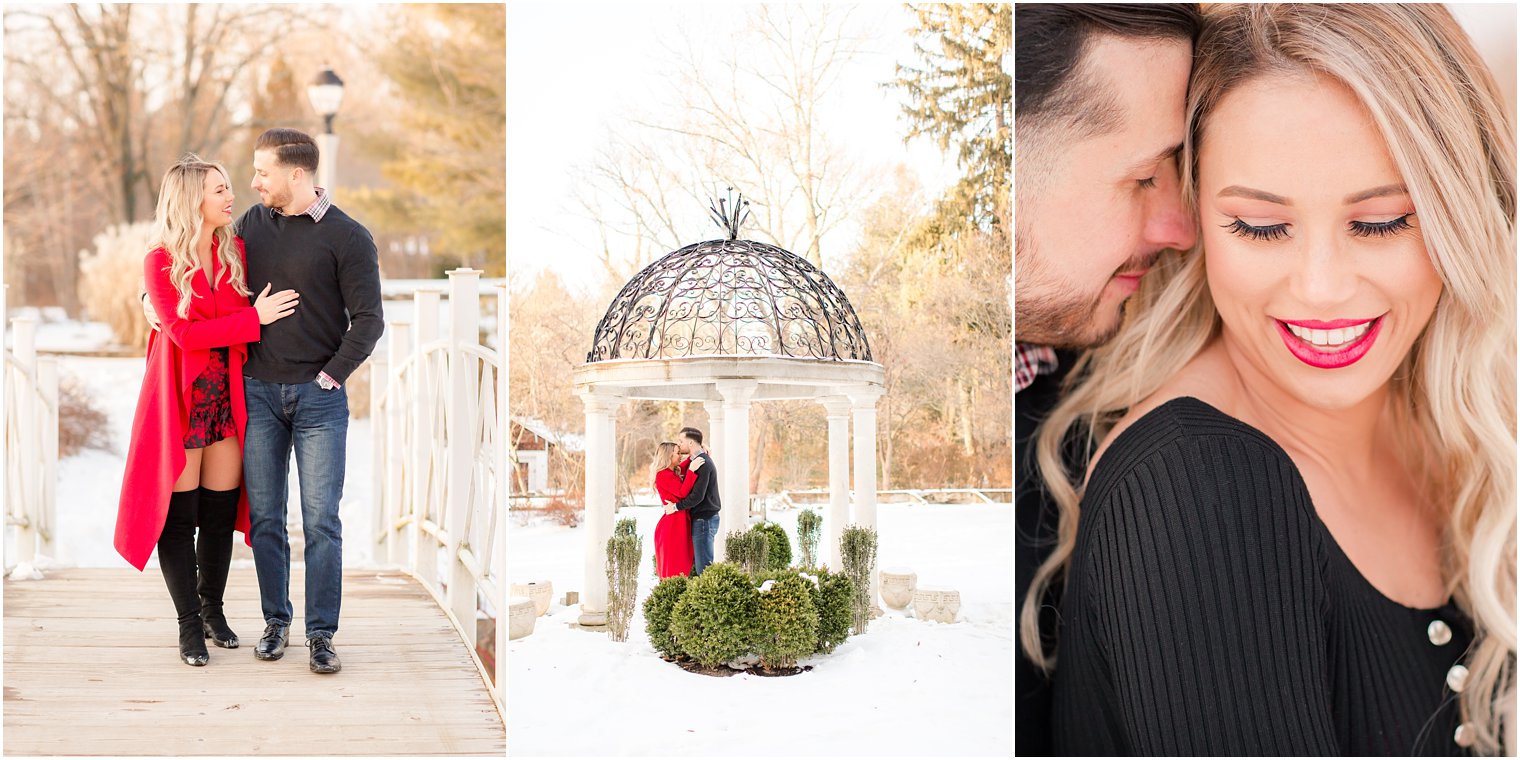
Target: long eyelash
pixel 1381 229
pixel 1270 232
pixel 1148 182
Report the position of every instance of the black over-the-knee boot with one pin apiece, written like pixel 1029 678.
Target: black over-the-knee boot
pixel 213 555
pixel 176 556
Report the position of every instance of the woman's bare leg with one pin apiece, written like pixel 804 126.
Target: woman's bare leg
pixel 190 477
pixel 221 466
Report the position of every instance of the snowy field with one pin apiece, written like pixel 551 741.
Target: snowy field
pixel 89 483
pixel 906 688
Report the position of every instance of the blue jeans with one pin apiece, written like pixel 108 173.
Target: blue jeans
pixel 703 531
pixel 315 421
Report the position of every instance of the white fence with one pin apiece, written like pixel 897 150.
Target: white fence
pixel 439 422
pixel 30 448
pixel 914 495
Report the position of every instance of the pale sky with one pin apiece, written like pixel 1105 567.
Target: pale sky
pixel 570 76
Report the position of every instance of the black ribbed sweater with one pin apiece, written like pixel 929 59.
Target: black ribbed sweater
pixel 1208 611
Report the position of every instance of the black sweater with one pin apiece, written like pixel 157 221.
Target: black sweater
pixel 1036 519
pixel 333 265
pixel 702 500
pixel 1208 611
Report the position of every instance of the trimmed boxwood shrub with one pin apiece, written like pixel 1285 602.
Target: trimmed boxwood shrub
pixel 626 527
pixel 857 552
pixel 778 546
pixel 809 530
pixel 788 622
pixel 658 609
pixel 835 612
pixel 831 601
pixel 624 551
pixel 717 619
pixel 747 549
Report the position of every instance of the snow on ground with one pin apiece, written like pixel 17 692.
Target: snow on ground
pixel 89 484
pixel 907 687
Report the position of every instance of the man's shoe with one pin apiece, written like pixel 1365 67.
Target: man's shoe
pixel 323 658
pixel 272 645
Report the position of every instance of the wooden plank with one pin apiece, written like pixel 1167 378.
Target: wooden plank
pixel 94 650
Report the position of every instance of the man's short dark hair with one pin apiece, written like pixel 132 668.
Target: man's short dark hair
pixel 692 433
pixel 1049 43
pixel 291 147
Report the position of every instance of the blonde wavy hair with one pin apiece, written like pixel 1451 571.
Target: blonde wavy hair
pixel 662 457
pixel 1435 103
pixel 177 225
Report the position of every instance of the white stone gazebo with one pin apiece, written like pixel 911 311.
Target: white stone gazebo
pixel 729 323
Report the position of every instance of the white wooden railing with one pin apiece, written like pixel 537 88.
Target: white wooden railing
pixel 439 423
pixel 30 449
pixel 916 495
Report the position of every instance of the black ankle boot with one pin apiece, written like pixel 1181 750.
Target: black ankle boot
pixel 213 555
pixel 176 557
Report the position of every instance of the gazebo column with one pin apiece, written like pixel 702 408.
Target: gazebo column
pixel 733 460
pixel 713 437
pixel 601 410
pixel 838 409
pixel 863 406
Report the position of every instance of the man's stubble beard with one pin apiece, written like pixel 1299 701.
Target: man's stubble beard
pixel 1049 320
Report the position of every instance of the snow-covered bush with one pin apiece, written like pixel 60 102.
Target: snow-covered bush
pixel 111 281
pixel 788 622
pixel 717 619
pixel 835 603
pixel 809 530
pixel 857 551
pixel 658 609
pixel 778 547
pixel 626 527
pixel 623 554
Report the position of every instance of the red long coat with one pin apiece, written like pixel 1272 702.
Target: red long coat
pixel 177 353
pixel 672 535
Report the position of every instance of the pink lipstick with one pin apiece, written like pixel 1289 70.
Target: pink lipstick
pixel 1329 344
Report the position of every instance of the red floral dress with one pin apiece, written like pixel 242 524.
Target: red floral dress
pixel 211 404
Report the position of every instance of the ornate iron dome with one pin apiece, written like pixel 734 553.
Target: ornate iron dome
pixel 730 297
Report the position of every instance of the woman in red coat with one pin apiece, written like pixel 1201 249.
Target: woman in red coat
pixel 672 536
pixel 185 462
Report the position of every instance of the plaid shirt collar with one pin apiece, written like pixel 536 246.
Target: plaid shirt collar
pixel 1031 361
pixel 316 210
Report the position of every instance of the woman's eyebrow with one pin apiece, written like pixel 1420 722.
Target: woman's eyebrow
pixel 1377 192
pixel 1254 194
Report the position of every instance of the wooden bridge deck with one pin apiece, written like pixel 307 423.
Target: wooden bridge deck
pixel 92 668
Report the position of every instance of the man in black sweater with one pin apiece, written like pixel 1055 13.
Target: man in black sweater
pixel 702 501
pixel 293 382
pixel 1098 110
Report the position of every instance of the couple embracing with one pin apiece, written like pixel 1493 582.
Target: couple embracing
pixel 248 359
pixel 687 482
pixel 1270 508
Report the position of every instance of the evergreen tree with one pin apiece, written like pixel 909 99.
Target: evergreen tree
pixel 447 64
pixel 959 95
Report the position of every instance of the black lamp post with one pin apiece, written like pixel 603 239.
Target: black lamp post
pixel 326 94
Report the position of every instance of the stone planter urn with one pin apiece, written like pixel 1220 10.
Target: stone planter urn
pixel 938 604
pixel 897 585
pixel 521 615
pixel 541 592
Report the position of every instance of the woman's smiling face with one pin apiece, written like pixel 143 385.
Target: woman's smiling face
pixel 1312 243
